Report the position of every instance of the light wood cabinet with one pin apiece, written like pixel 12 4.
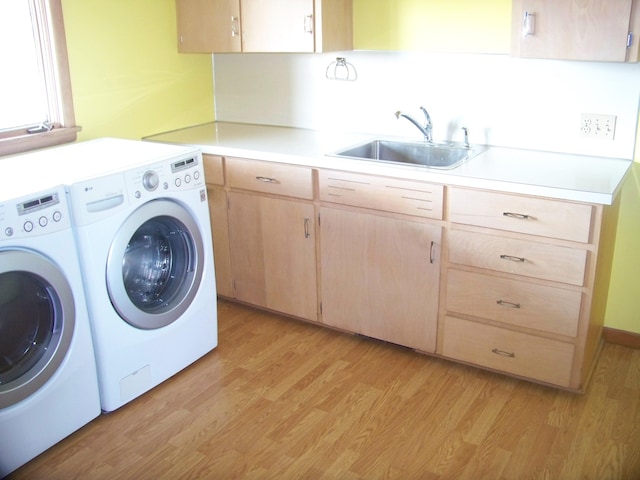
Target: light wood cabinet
pixel 522 294
pixel 206 26
pixel 217 197
pixel 380 267
pixel 595 30
pixel 264 25
pixel 272 238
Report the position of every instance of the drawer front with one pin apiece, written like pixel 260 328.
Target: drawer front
pixel 382 193
pixel 508 351
pixel 267 177
pixel 213 172
pixel 519 257
pixel 535 216
pixel 524 304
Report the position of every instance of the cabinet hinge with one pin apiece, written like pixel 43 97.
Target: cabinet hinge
pixel 629 39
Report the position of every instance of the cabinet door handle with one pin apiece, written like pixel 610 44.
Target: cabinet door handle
pixel 503 353
pixel 267 179
pixel 306 227
pixel 432 249
pixel 528 24
pixel 308 23
pixel 234 26
pixel 513 258
pixel 521 216
pixel 504 303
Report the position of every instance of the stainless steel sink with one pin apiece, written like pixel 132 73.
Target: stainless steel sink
pixel 433 155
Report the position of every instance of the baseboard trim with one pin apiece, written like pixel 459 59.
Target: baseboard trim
pixel 621 337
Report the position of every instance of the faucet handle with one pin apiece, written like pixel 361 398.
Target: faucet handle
pixel 427 117
pixel 466 137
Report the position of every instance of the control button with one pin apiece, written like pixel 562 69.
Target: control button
pixel 137 194
pixel 178 182
pixel 165 185
pixel 196 175
pixel 57 216
pixel 8 231
pixel 28 226
pixel 43 221
pixel 150 180
pixel 187 178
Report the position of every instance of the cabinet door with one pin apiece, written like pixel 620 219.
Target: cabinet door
pixel 273 253
pixel 380 276
pixel 572 29
pixel 220 234
pixel 206 26
pixel 277 26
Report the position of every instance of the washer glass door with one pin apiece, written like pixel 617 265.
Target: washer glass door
pixel 155 265
pixel 36 323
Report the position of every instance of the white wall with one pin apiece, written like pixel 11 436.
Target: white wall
pixel 534 104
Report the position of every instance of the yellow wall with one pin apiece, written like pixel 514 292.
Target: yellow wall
pixel 469 26
pixel 127 77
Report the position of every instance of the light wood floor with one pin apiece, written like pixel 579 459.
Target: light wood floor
pixel 283 399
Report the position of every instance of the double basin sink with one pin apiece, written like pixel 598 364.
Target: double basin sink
pixel 426 154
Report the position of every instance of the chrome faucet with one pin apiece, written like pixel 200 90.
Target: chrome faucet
pixel 426 129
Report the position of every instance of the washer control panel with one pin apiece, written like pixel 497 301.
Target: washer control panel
pixel 39 214
pixel 157 179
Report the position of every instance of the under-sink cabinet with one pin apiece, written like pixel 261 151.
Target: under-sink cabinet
pixel 512 283
pixel 521 290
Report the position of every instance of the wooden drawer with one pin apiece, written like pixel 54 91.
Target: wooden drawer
pixel 524 304
pixel 213 172
pixel 382 193
pixel 268 177
pixel 535 216
pixel 508 351
pixel 519 257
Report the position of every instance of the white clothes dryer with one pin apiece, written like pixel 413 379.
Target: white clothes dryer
pixel 146 254
pixel 48 380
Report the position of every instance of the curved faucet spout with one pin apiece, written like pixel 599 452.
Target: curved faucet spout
pixel 425 129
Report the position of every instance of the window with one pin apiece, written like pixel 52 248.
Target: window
pixel 36 108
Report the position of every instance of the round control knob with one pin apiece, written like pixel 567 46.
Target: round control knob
pixel 57 216
pixel 43 221
pixel 28 226
pixel 150 180
pixel 8 231
pixel 187 178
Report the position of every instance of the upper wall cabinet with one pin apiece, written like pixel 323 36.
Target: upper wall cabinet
pixel 597 30
pixel 218 26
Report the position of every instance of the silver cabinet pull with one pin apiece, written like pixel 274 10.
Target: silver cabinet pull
pixel 528 24
pixel 235 31
pixel 503 353
pixel 522 216
pixel 306 227
pixel 432 257
pixel 308 23
pixel 504 303
pixel 513 258
pixel 267 179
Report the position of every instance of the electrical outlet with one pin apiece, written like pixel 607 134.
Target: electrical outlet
pixel 594 125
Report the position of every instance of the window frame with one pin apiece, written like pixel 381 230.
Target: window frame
pixel 64 128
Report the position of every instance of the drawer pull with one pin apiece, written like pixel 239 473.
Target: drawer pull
pixel 513 258
pixel 504 303
pixel 267 179
pixel 503 353
pixel 522 216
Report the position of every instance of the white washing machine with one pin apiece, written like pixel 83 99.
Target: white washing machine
pixel 144 240
pixel 48 381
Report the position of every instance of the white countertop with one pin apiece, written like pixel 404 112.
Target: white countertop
pixel 555 175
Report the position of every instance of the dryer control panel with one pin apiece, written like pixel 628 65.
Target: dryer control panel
pixel 42 213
